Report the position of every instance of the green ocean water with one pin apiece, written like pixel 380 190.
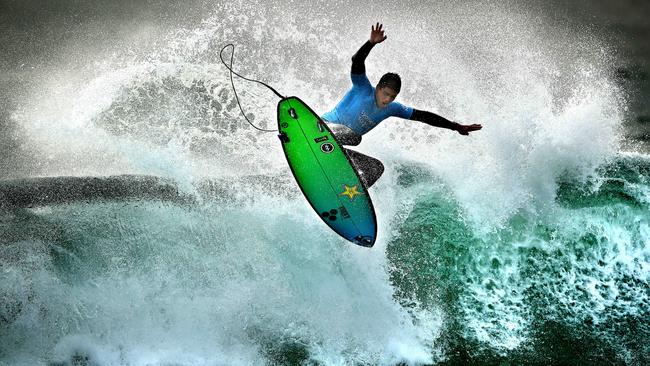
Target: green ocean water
pixel 147 282
pixel 566 287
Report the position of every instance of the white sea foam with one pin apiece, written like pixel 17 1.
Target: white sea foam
pixel 221 283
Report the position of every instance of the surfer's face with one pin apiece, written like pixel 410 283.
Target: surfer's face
pixel 384 95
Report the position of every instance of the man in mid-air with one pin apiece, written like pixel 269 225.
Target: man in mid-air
pixel 363 107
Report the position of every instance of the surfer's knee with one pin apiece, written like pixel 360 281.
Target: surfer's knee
pixel 349 137
pixel 373 172
pixel 354 139
pixel 381 168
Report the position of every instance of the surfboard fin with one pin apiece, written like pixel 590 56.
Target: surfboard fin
pixel 363 241
pixel 283 137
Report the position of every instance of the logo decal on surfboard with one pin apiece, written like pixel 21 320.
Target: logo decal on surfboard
pixel 331 214
pixel 327 148
pixel 351 192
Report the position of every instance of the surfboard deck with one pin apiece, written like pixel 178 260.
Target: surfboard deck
pixel 325 173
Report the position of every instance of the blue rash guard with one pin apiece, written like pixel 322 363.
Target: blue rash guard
pixel 358 109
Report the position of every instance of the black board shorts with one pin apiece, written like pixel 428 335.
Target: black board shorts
pixel 369 168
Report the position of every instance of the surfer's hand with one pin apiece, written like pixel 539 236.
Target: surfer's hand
pixel 466 129
pixel 377 34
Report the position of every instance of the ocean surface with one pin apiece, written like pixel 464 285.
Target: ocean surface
pixel 143 222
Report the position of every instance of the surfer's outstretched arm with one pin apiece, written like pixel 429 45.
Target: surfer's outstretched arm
pixel 376 36
pixel 435 120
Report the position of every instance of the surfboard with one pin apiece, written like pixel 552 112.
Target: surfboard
pixel 325 174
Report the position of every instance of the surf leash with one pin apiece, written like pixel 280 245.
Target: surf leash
pixel 229 67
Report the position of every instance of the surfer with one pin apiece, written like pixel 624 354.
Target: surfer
pixel 363 107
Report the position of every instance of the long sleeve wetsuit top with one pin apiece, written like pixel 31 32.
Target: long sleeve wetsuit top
pixel 359 111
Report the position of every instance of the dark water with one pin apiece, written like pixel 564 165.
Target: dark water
pixel 526 243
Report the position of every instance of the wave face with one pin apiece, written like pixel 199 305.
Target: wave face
pixel 569 285
pixel 524 243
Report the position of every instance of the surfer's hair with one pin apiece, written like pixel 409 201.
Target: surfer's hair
pixel 390 80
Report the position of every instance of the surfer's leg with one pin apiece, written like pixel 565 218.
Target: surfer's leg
pixel 369 168
pixel 344 134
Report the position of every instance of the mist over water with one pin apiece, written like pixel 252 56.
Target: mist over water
pixel 508 245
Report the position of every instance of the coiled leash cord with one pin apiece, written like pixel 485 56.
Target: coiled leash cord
pixel 232 56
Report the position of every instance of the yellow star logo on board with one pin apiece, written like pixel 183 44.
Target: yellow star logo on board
pixel 351 192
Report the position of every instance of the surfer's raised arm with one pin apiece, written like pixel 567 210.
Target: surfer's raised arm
pixel 376 36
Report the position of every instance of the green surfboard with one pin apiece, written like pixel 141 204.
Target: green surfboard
pixel 325 173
